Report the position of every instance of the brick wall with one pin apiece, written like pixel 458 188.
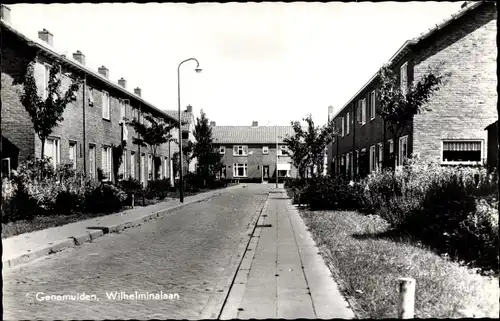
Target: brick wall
pixel 465 105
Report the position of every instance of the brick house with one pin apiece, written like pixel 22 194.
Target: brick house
pixel 250 153
pixel 92 125
pixel 187 122
pixel 451 129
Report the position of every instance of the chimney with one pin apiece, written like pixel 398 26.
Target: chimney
pixel 78 56
pixel 103 71
pixel 5 13
pixel 46 36
pixel 122 82
pixel 255 124
pixel 212 124
pixel 137 91
pixel 189 109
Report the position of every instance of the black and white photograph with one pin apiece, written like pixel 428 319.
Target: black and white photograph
pixel 249 160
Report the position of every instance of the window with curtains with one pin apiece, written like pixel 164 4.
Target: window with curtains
pixel 53 151
pixel 92 161
pixel 106 109
pixel 240 170
pixel 403 150
pixel 372 105
pixel 132 165
pixel 72 154
pixel 462 151
pixel 106 162
pixel 380 156
pixel 363 111
pixel 373 160
pixel 342 126
pixel 123 109
pixel 347 123
pixel 240 150
pixel 122 171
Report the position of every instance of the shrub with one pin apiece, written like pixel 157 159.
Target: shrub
pixel 105 199
pixel 158 189
pixel 131 187
pixel 333 193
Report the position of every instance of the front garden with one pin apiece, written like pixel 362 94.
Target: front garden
pixel 436 224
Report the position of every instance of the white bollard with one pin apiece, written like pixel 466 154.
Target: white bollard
pixel 406 308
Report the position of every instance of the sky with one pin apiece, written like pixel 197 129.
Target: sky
pixel 266 62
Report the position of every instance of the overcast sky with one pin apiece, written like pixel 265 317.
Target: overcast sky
pixel 270 62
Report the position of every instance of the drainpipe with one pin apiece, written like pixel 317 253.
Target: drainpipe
pixel 84 105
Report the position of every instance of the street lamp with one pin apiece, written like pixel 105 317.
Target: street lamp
pixel 181 180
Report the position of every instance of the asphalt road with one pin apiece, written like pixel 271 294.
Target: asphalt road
pixel 181 261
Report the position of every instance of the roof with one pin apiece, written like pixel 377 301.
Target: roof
pixel 492 126
pixel 39 44
pixel 406 47
pixel 186 117
pixel 250 134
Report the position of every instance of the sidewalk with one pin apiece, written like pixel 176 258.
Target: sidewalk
pixel 282 275
pixel 26 247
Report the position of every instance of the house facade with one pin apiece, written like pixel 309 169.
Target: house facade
pixel 93 125
pixel 450 130
pixel 254 153
pixel 188 123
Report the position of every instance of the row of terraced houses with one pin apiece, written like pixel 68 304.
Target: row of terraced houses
pixel 459 123
pixel 92 124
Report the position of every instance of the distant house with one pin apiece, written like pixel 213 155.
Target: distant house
pixel 92 125
pixel 188 122
pixel 451 130
pixel 254 153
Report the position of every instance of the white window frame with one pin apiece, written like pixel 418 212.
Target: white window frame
pixel 282 150
pixel 391 146
pixel 372 158
pixel 380 156
pixel 347 123
pixel 133 164
pixel 236 151
pixel 372 105
pixel 443 162
pixel 57 150
pixel 92 160
pixel 106 163
pixel 363 111
pixel 150 167
pixel 142 174
pixel 72 153
pixel 123 110
pixel 222 150
pixel 238 165
pixel 265 150
pixel 403 77
pixel 106 105
pixel 402 139
pixel 342 126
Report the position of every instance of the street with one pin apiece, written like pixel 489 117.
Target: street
pixel 187 258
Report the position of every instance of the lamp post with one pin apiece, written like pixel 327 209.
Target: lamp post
pixel 181 179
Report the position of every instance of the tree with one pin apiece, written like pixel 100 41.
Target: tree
pixel 209 159
pixel 308 146
pixel 397 108
pixel 152 134
pixel 46 113
pixel 187 152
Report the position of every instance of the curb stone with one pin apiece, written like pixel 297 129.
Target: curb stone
pixel 93 232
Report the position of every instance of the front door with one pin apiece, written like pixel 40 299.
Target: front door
pixel 265 172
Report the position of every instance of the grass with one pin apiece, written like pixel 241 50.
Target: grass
pixel 367 270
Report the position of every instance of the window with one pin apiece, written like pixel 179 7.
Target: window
pixel 165 167
pixel 122 110
pixel 185 134
pixel 106 162
pixel 132 165
pixel 358 111
pixel 92 162
pixel 72 154
pixel 105 106
pixel 46 78
pixel 462 152
pixel 91 97
pixel 372 105
pixel 6 167
pixel 282 151
pixel 372 159
pixel 142 165
pixel 348 164
pixel 363 111
pixel 283 173
pixel 347 123
pixel 222 150
pixel 240 150
pixel 404 77
pixel 53 151
pixel 150 167
pixel 380 156
pixel 357 162
pixel 265 150
pixel 391 146
pixel 403 150
pixel 240 170
pixel 122 171
pixel 342 126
